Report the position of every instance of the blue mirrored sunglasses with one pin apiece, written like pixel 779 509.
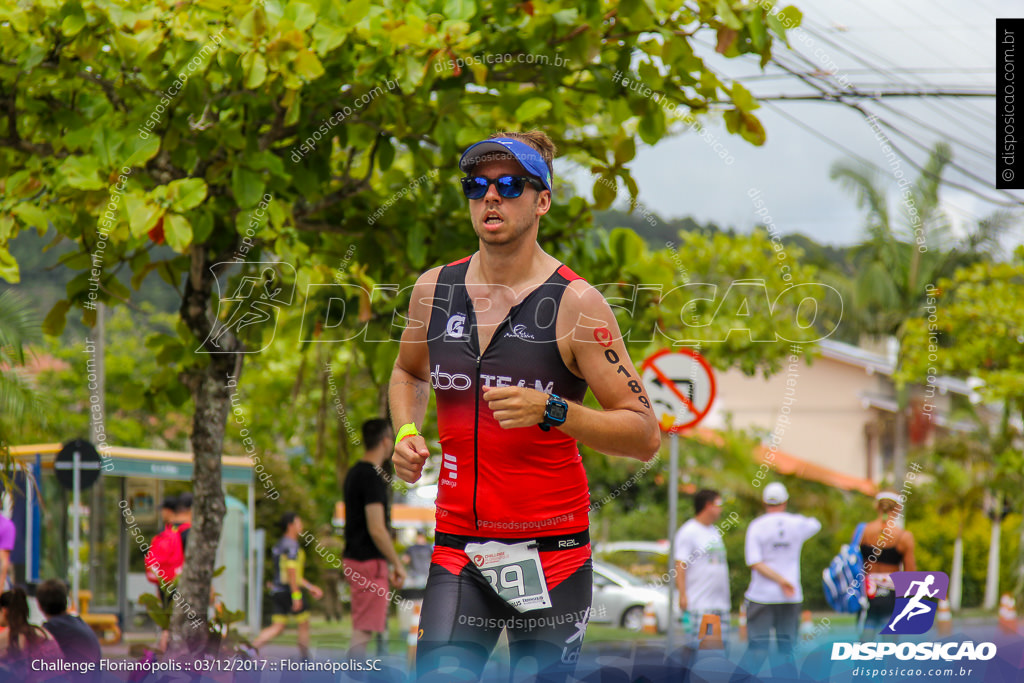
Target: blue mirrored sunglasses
pixel 509 186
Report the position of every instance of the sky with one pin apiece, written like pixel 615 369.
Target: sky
pixel 918 45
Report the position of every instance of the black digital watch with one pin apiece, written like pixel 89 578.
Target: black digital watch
pixel 554 412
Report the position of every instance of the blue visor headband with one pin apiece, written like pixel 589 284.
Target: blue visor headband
pixel 529 158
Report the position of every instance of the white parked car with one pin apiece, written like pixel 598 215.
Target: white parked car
pixel 620 598
pixel 645 559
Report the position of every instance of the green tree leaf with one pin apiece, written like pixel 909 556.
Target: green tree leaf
pixel 142 214
pixel 186 194
pixel 357 10
pixel 730 18
pixel 327 36
pixel 247 186
pixel 177 231
pixel 143 149
pixel 300 14
pixel 604 192
pixel 82 172
pixel 32 216
pixel 742 98
pixel 758 32
pixel 459 10
pixel 8 266
pixel 532 108
pixel 308 65
pixel 255 70
pixel 55 320
pixel 625 150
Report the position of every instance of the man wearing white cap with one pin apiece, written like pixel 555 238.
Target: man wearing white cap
pixel 773 545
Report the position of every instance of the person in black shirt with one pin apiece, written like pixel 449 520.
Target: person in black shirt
pixel 417 557
pixel 77 641
pixel 368 546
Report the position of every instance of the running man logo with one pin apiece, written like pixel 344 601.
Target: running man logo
pixel 917 596
pixel 252 307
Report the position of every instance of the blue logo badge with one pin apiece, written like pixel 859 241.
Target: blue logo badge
pixel 917 596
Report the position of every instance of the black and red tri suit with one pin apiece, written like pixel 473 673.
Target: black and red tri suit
pixel 503 484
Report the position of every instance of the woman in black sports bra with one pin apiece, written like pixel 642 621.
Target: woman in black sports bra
pixel 886 548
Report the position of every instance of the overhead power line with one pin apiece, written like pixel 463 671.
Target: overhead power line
pixel 908 70
pixel 889 71
pixel 987 153
pixel 875 94
pixel 1013 200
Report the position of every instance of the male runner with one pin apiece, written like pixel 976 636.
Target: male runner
pixel 510 339
pixel 287 601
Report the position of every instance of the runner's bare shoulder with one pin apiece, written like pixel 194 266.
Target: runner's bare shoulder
pixel 422 299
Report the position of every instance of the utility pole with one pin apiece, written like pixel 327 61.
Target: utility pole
pixel 97 434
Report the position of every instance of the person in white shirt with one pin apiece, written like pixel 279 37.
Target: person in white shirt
pixel 702 574
pixel 774 598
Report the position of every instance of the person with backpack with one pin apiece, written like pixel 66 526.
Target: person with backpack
pixel 885 548
pixel 166 555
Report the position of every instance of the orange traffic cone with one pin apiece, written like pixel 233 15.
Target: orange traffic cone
pixel 710 633
pixel 650 619
pixel 414 635
pixel 1008 614
pixel 944 619
pixel 743 622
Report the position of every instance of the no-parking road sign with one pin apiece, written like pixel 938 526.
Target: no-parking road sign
pixel 681 386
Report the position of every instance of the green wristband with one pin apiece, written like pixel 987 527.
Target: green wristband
pixel 297 595
pixel 406 431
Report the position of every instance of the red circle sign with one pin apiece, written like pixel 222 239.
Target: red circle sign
pixel 681 386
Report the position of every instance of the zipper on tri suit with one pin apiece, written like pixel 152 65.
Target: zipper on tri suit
pixel 476 417
pixel 476 439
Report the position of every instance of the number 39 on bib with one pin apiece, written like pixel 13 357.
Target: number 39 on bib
pixel 514 572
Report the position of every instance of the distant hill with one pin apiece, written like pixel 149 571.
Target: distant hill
pixel 44 281
pixel 824 256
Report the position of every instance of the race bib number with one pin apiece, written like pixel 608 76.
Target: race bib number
pixel 514 572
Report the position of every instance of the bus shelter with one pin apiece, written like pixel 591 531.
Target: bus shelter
pixel 135 479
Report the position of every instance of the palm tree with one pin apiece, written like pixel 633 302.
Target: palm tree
pixel 899 258
pixel 19 326
pixel 894 265
pixel 961 469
